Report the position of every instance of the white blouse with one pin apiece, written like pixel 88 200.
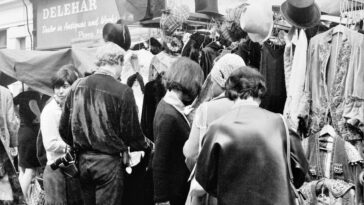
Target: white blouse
pixel 49 123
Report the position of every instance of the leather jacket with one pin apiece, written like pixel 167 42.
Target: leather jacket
pixel 100 115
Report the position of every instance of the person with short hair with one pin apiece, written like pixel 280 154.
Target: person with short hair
pixel 100 120
pixel 171 128
pixel 243 158
pixel 56 186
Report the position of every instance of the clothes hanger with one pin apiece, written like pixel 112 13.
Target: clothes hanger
pixel 328 130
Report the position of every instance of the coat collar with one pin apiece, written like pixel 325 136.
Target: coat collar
pixel 172 99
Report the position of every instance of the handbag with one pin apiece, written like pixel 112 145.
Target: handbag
pixel 298 197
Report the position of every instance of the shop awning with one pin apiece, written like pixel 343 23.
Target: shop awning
pixel 36 68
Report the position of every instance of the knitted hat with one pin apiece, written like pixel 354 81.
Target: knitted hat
pixel 224 67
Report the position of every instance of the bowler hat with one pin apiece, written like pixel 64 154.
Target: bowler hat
pixel 301 13
pixel 208 7
pixel 117 33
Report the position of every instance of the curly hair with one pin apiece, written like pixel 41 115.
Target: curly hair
pixel 245 82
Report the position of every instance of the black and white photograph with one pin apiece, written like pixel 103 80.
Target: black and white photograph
pixel 181 102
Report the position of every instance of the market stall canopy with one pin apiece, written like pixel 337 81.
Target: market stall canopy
pixel 36 68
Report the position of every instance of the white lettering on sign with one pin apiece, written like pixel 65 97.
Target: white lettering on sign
pixel 59 11
pixel 69 8
pixel 76 7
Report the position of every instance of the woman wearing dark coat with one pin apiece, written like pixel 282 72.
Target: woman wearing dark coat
pixel 171 130
pixel 244 156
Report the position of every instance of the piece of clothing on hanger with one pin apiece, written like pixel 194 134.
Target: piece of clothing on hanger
pixel 250 52
pixel 328 191
pixel 334 83
pixel 272 69
pixel 331 157
pixel 208 55
pixel 154 92
pixel 295 69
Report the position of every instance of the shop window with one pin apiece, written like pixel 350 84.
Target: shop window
pixel 3 37
pixel 20 43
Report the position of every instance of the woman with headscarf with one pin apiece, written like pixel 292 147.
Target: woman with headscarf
pixel 213 91
pixel 215 106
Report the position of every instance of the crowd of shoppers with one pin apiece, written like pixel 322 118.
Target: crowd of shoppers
pixel 210 142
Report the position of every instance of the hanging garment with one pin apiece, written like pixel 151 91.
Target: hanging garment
pixel 341 161
pixel 328 192
pixel 160 63
pixel 250 52
pixel 144 59
pixel 136 83
pixel 208 55
pixel 272 69
pixel 154 92
pixel 334 83
pixel 295 81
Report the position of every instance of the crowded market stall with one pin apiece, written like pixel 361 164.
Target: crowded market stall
pixel 310 54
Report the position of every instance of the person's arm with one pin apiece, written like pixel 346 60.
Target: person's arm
pixel 207 162
pixel 12 122
pixel 33 105
pixel 163 160
pixel 65 129
pixel 52 140
pixel 130 128
pixel 191 147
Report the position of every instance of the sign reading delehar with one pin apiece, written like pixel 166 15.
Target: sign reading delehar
pixel 61 21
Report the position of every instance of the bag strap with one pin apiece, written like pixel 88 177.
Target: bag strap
pixel 288 143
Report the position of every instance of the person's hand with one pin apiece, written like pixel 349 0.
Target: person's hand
pixel 13 151
pixel 361 178
pixel 163 203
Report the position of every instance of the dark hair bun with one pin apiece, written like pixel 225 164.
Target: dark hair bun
pixel 245 82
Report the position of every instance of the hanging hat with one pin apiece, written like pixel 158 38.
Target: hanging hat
pixel 257 20
pixel 222 69
pixel 117 33
pixel 301 13
pixel 208 7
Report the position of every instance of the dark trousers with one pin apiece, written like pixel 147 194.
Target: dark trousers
pixel 102 178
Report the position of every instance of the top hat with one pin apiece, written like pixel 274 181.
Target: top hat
pixel 208 7
pixel 301 13
pixel 117 33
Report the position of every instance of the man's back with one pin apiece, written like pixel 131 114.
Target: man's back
pixel 104 116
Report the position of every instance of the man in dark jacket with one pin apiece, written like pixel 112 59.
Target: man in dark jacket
pixel 100 120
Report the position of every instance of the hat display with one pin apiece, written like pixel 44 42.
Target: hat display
pixel 117 33
pixel 173 18
pixel 208 7
pixel 257 20
pixel 224 67
pixel 301 13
